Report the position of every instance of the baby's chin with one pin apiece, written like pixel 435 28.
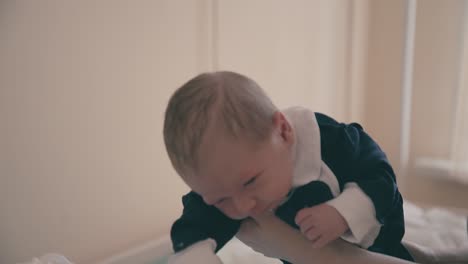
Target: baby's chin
pixel 270 208
pixel 239 217
pixel 252 214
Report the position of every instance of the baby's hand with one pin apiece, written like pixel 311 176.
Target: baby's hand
pixel 321 224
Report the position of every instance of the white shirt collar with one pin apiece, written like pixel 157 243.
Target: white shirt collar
pixel 306 146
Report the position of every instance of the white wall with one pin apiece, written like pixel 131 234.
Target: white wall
pixel 438 55
pixel 384 75
pixel 297 51
pixel 83 88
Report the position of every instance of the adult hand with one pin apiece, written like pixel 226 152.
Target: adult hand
pixel 264 234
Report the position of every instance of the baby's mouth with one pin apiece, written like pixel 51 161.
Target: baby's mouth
pixel 285 199
pixel 274 205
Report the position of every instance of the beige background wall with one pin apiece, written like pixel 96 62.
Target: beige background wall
pixel 296 51
pixel 83 90
pixel 438 58
pixel 437 47
pixel 384 75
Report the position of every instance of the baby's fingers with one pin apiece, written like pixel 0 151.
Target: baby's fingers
pixel 321 241
pixel 312 234
pixel 306 224
pixel 302 215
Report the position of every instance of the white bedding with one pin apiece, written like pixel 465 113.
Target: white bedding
pixel 435 228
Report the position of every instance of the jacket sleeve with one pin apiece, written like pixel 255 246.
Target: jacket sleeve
pixel 370 170
pixel 199 222
pixel 356 158
pixel 370 198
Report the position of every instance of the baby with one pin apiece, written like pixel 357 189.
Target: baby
pixel 241 156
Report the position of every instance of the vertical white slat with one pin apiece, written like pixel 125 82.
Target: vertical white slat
pixel 407 87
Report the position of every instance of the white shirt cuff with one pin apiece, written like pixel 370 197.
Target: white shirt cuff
pixel 200 252
pixel 359 212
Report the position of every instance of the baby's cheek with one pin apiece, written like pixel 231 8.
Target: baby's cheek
pixel 228 211
pixel 280 190
pixel 222 208
pixel 268 194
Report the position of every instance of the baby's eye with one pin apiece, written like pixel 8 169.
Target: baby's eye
pixel 220 201
pixel 251 181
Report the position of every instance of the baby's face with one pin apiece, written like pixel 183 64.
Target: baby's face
pixel 243 180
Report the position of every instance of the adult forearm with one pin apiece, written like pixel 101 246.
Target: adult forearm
pixel 274 238
pixel 298 250
pixel 337 252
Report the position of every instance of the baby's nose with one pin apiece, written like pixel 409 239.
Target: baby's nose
pixel 244 205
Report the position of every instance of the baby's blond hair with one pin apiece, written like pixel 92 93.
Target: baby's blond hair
pixel 229 99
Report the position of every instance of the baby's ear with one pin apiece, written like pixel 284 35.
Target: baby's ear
pixel 281 124
pixel 277 117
